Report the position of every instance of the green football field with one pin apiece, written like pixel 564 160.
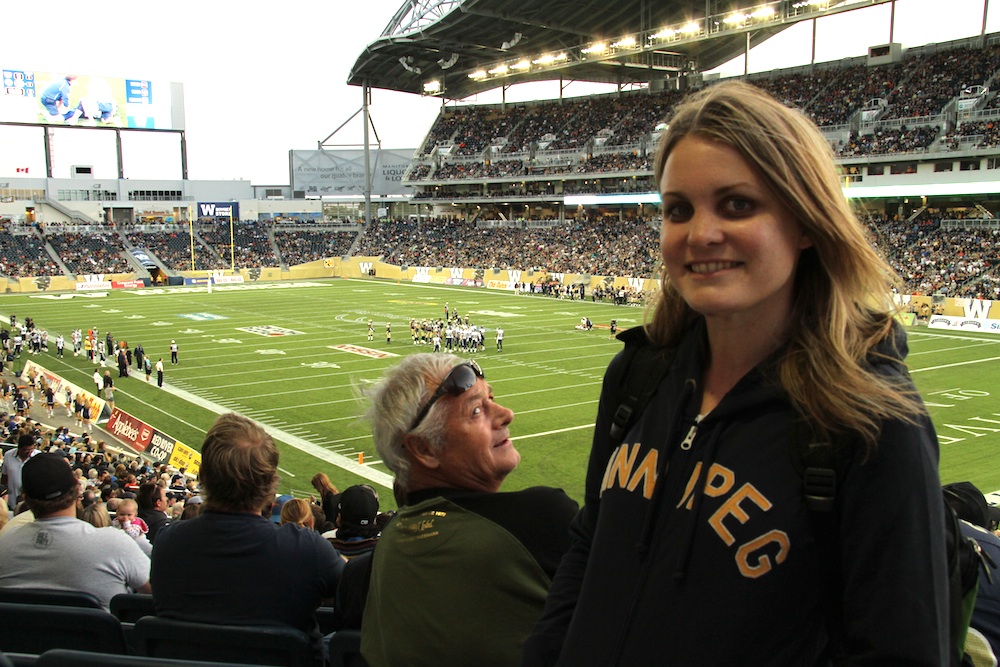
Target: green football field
pixel 291 355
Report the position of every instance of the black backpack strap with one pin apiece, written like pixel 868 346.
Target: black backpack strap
pixel 821 463
pixel 643 367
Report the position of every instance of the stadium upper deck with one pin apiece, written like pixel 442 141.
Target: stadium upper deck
pixel 917 129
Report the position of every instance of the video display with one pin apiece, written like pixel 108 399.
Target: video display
pixel 69 99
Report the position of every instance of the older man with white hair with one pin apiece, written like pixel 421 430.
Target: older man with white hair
pixel 461 573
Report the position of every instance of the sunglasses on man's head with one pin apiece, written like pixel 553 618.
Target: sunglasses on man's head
pixel 460 380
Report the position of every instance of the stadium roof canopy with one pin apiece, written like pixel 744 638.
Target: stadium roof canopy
pixel 456 48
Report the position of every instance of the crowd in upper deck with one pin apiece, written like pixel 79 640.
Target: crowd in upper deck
pixel 916 89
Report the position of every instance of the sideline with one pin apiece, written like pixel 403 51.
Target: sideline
pixel 60 419
pixel 342 462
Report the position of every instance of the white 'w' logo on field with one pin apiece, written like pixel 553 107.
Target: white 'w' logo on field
pixel 976 308
pixel 637 283
pixel 366 267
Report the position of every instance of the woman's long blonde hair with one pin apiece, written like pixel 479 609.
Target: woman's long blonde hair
pixel 842 307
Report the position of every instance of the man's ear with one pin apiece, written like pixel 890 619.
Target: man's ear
pixel 421 451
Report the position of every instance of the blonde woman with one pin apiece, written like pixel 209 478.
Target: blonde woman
pixel 696 545
pixel 297 511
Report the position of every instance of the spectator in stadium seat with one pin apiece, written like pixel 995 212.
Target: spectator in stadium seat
pixel 328 494
pixel 978 521
pixel 775 312
pixel 152 500
pixel 460 574
pixel 250 571
pixel 296 511
pixel 13 464
pixel 59 551
pixel 357 528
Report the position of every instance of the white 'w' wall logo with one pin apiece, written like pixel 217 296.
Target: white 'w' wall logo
pixel 456 273
pixel 558 277
pixel 976 308
pixel 423 270
pixel 637 283
pixel 97 278
pixel 366 267
pixel 515 276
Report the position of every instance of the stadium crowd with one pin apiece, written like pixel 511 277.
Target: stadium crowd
pixel 919 88
pixel 602 246
pixel 929 258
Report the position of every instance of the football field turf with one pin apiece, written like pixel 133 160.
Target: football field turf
pixel 290 355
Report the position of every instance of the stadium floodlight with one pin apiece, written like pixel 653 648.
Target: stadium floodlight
pixel 762 13
pixel 478 75
pixel 599 47
pixel 508 45
pixel 550 58
pixel 735 19
pixel 450 62
pixel 624 43
pixel 499 70
pixel 692 28
pixel 521 65
pixel 432 87
pixel 666 33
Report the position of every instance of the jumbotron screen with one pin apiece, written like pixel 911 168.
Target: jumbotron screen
pixel 69 99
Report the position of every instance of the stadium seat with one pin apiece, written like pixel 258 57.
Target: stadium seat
pixel 159 637
pixel 326 619
pixel 130 607
pixel 36 628
pixel 46 596
pixel 345 649
pixel 67 658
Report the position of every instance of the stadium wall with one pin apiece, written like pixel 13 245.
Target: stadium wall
pixel 940 312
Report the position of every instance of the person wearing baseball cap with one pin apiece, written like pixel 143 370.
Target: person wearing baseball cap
pixel 58 551
pixel 357 529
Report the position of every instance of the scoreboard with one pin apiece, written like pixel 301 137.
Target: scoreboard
pixel 81 100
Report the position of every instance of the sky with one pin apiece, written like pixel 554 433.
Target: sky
pixel 262 78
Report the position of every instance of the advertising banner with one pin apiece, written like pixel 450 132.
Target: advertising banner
pixel 186 459
pixel 227 210
pixel 93 282
pixel 161 447
pixel 60 384
pixel 72 99
pixel 342 172
pixel 130 430
pixel 964 324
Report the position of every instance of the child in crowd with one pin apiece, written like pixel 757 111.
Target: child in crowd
pixel 127 519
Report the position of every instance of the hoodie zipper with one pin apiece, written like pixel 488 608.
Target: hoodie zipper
pixel 689 438
pixel 647 530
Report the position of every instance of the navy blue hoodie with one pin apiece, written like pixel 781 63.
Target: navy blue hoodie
pixel 695 545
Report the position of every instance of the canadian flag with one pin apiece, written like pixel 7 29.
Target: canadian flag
pixel 22 170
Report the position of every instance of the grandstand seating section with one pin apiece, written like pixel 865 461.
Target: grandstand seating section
pixel 929 258
pixel 599 144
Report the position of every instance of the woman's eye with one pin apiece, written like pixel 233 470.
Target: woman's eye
pixel 679 212
pixel 738 206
